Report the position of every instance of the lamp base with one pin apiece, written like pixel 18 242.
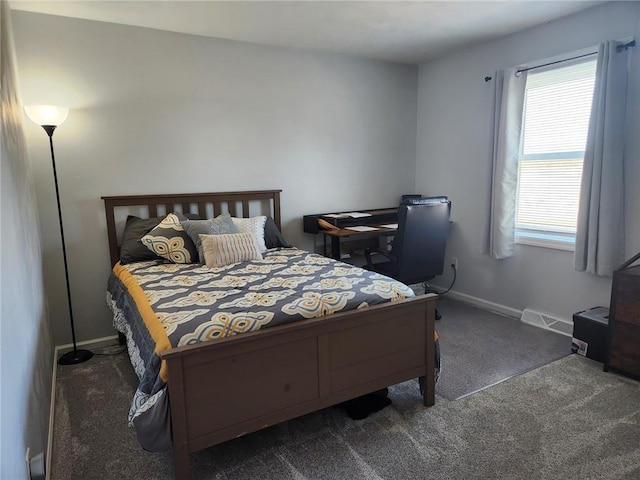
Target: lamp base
pixel 75 356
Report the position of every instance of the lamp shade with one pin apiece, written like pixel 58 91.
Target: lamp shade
pixel 47 114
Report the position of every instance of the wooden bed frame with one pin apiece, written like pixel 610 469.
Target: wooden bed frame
pixel 262 378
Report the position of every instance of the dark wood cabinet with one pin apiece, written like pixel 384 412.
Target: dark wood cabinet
pixel 624 320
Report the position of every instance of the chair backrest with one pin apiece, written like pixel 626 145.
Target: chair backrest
pixel 421 240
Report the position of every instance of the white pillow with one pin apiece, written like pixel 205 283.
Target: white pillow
pixel 255 226
pixel 227 248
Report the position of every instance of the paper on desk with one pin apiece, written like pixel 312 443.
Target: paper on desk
pixel 347 214
pixel 394 226
pixel 361 228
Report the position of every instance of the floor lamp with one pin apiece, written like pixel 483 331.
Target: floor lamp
pixel 49 117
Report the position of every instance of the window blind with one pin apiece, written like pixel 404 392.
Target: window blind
pixel 555 127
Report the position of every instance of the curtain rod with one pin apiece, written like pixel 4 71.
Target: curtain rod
pixel 619 49
pixel 522 70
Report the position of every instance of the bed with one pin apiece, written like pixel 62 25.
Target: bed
pixel 222 387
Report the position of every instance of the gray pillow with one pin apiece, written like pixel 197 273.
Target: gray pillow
pixel 220 225
pixel 132 249
pixel 272 236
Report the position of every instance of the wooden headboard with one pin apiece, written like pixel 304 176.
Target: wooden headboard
pixel 207 205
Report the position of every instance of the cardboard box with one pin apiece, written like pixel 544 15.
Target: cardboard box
pixel 590 333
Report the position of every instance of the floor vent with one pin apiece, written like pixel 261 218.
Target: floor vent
pixel 37 467
pixel 537 319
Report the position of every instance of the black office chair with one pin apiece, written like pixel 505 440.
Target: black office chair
pixel 418 249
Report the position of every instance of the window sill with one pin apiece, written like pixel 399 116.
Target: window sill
pixel 546 242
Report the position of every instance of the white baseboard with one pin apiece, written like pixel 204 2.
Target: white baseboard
pixel 52 409
pixel 57 351
pixel 94 343
pixel 528 316
pixel 481 303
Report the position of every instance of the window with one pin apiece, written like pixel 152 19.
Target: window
pixel 555 125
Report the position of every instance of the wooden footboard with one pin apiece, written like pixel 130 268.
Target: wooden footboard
pixel 262 378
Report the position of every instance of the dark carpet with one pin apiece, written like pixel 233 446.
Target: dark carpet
pixel 481 348
pixel 564 420
pixel 568 419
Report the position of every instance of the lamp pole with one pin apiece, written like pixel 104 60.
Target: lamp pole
pixel 49 117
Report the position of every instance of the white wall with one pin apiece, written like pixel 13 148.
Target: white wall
pixel 632 165
pixel 26 350
pixel 454 147
pixel 158 112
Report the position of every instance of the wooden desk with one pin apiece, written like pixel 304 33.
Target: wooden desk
pixel 337 235
pixel 375 218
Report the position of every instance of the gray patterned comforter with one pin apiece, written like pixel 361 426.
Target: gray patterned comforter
pixel 159 305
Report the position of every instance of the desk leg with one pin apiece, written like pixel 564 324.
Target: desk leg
pixel 335 248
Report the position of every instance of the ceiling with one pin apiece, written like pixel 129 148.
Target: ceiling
pixel 399 31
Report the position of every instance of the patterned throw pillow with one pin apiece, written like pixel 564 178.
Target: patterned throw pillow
pixel 225 249
pixel 215 226
pixel 169 240
pixel 255 226
pixel 132 249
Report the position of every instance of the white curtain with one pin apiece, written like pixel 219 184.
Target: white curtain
pixel 600 234
pixel 509 102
